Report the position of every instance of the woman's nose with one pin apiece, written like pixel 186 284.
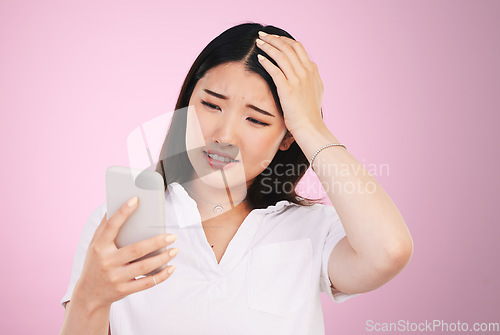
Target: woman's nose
pixel 227 129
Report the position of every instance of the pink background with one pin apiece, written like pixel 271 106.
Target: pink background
pixel 411 84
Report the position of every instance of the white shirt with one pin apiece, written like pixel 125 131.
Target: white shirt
pixel 268 281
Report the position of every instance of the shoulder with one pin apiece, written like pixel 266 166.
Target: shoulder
pixel 318 217
pixel 100 210
pixel 316 210
pixel 94 219
pixel 97 214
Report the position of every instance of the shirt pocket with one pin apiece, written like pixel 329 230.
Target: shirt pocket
pixel 280 276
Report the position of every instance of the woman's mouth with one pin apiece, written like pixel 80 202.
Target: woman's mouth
pixel 219 162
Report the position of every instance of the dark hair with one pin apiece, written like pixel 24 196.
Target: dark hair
pixel 236 44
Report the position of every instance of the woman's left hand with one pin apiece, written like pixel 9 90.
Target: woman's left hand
pixel 297 80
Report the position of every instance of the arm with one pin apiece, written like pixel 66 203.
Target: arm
pixel 378 244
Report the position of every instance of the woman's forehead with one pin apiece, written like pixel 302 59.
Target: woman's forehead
pixel 233 80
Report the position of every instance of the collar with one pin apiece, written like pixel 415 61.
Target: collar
pixel 187 208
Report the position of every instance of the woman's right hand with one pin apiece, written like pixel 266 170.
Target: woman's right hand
pixel 107 275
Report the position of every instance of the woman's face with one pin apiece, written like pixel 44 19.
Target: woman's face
pixel 224 117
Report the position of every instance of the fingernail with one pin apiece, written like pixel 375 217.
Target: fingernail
pixel 171 269
pixel 261 33
pixel 260 57
pixel 171 238
pixel 173 252
pixel 259 41
pixel 132 201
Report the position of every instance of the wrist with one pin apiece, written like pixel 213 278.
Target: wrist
pixel 83 298
pixel 311 137
pixel 308 127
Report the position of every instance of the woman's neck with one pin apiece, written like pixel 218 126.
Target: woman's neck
pixel 213 202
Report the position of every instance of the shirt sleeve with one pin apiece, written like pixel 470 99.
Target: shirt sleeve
pixel 81 250
pixel 335 233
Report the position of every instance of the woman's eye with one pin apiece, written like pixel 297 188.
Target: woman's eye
pixel 257 122
pixel 209 105
pixel 212 106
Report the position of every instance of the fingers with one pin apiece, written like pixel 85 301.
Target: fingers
pixel 111 228
pixel 136 250
pixel 284 61
pixel 298 47
pixel 289 54
pixel 147 282
pixel 149 264
pixel 277 75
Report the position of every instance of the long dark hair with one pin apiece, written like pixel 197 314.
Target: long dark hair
pixel 236 44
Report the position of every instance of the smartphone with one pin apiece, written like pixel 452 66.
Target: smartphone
pixel 148 220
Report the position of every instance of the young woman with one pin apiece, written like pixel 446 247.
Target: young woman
pixel 253 255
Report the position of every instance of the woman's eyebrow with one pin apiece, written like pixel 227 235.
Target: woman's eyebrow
pixel 220 96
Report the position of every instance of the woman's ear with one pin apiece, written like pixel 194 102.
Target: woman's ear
pixel 287 141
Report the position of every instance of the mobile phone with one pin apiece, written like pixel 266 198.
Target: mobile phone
pixel 148 220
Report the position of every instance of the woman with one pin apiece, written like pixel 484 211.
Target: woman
pixel 253 255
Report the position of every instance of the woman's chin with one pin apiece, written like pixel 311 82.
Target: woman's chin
pixel 220 180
